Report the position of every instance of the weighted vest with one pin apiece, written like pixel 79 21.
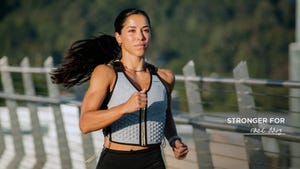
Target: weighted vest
pixel 143 127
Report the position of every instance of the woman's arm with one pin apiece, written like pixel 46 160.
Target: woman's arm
pixel 91 118
pixel 101 83
pixel 179 148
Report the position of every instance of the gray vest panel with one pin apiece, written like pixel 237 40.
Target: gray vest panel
pixel 139 128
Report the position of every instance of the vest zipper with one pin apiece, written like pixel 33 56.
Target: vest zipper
pixel 143 127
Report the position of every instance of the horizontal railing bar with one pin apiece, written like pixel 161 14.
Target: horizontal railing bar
pixel 251 81
pixel 39 99
pixel 25 69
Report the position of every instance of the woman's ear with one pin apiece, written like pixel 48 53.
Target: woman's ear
pixel 118 38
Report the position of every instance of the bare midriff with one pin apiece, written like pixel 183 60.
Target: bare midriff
pixel 122 147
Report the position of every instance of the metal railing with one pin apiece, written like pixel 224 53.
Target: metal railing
pixel 209 129
pixel 259 139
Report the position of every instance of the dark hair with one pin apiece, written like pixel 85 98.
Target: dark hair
pixel 84 55
pixel 119 22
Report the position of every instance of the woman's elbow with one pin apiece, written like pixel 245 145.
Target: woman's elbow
pixel 83 128
pixel 87 125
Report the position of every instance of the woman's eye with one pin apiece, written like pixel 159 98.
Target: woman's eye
pixel 131 30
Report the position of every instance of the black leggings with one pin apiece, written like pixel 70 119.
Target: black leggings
pixel 150 158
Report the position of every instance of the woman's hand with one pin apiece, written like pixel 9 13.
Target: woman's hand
pixel 136 101
pixel 180 150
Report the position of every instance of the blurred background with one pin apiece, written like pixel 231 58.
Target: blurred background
pixel 215 34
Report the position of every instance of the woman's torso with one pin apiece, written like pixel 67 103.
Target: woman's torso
pixel 140 129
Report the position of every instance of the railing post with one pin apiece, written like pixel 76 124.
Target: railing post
pixel 2 142
pixel 294 102
pixel 87 139
pixel 40 154
pixel 253 143
pixel 14 119
pixel 88 150
pixel 201 137
pixel 64 150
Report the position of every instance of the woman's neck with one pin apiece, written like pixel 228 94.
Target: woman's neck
pixel 134 65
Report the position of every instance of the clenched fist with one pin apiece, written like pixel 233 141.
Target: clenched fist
pixel 137 101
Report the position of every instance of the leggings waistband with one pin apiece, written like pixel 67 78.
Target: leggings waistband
pixel 152 148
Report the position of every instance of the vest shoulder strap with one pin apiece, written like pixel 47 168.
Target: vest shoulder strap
pixel 118 66
pixel 152 68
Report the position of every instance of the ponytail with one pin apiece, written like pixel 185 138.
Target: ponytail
pixel 82 57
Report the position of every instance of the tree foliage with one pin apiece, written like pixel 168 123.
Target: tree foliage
pixel 215 34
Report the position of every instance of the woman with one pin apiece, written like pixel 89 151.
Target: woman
pixel 127 97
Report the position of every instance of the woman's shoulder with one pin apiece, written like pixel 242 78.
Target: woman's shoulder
pixel 167 75
pixel 103 73
pixel 104 69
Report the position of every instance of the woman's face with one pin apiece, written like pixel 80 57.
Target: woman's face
pixel 135 36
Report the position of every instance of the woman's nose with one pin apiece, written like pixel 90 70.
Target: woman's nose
pixel 141 35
